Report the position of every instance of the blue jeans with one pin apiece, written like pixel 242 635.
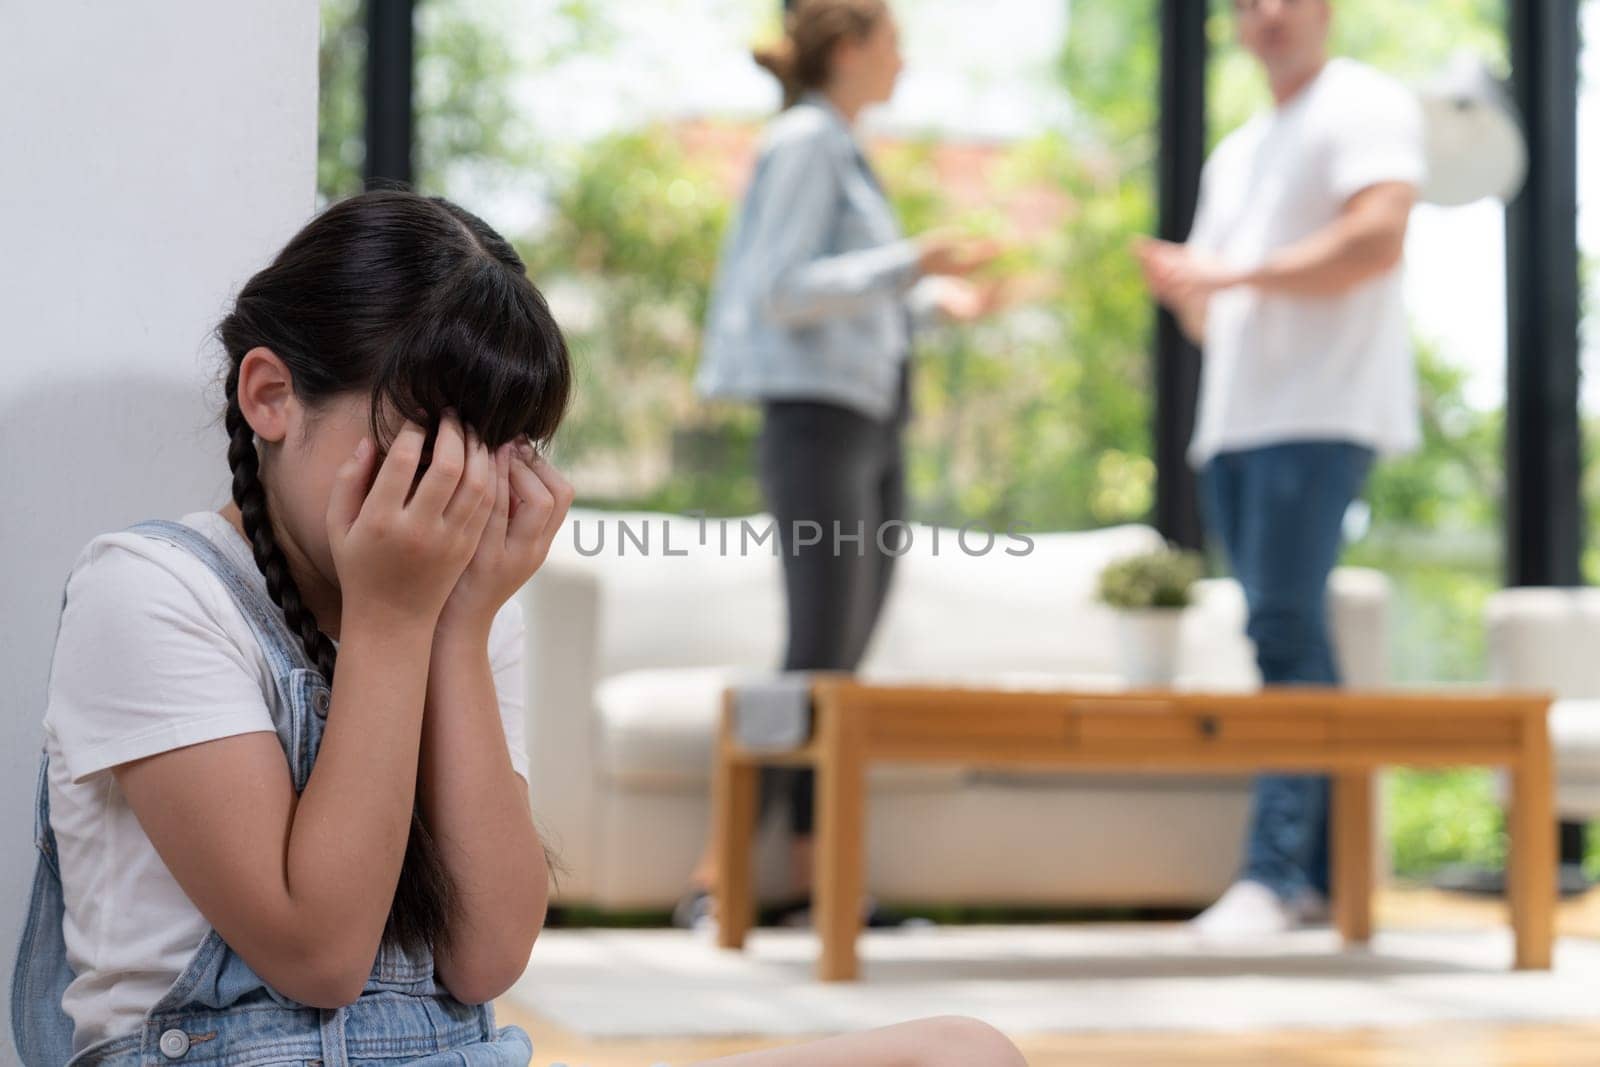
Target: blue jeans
pixel 1278 513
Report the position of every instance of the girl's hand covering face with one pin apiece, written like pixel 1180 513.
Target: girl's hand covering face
pixel 531 499
pixel 399 550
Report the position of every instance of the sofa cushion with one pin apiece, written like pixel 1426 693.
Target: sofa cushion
pixel 954 614
pixel 657 729
pixel 1543 638
pixel 1575 735
pixel 676 591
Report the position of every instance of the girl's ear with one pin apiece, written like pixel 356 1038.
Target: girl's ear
pixel 266 395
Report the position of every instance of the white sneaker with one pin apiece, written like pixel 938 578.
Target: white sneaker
pixel 1313 909
pixel 1250 910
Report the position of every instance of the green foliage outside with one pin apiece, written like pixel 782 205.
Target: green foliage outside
pixel 1041 416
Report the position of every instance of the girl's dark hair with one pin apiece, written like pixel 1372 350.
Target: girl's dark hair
pixel 422 307
pixel 803 59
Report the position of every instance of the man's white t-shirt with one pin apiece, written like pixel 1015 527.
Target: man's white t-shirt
pixel 154 655
pixel 1293 368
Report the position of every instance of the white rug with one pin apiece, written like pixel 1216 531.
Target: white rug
pixel 1045 979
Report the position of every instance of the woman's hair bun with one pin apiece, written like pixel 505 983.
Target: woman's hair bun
pixel 801 59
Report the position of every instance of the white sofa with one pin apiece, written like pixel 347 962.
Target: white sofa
pixel 1549 640
pixel 628 654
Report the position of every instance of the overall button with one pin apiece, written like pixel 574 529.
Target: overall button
pixel 320 701
pixel 174 1044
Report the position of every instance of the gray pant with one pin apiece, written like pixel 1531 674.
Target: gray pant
pixel 826 464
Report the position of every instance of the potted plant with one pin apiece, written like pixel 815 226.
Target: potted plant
pixel 1149 593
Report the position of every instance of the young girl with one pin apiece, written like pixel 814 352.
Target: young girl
pixel 282 814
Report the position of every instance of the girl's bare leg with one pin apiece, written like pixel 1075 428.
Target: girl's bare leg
pixel 947 1041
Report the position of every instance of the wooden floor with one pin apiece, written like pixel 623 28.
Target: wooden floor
pixel 1455 1046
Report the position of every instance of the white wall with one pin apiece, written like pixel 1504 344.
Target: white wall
pixel 151 157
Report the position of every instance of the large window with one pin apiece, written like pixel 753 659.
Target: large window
pixel 611 141
pixel 1589 253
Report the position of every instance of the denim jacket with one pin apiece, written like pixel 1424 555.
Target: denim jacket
pixel 813 296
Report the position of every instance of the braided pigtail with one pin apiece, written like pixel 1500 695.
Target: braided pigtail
pixel 251 497
pixel 423 897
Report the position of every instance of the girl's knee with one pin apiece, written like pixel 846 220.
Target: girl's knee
pixel 960 1041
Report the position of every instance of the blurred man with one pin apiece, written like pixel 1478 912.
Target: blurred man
pixel 1290 282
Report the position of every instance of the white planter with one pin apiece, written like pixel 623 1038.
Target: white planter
pixel 1148 642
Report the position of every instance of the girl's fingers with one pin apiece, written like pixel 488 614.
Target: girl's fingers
pixel 474 493
pixel 559 488
pixel 399 468
pixel 554 495
pixel 484 512
pixel 500 517
pixel 535 504
pixel 562 490
pixel 444 473
pixel 350 486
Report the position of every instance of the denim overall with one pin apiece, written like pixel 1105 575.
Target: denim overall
pixel 219 1012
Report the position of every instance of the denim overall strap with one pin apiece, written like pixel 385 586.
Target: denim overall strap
pixel 265 618
pixel 219 1012
pixel 303 693
pixel 41 1029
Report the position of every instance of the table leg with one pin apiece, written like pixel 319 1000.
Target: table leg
pixel 840 859
pixel 733 802
pixel 1351 837
pixel 1531 868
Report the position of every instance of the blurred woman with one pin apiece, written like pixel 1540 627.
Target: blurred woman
pixel 816 298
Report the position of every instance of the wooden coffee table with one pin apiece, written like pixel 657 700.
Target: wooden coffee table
pixel 1346 734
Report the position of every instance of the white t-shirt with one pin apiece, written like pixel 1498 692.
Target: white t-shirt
pixel 1293 368
pixel 154 655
